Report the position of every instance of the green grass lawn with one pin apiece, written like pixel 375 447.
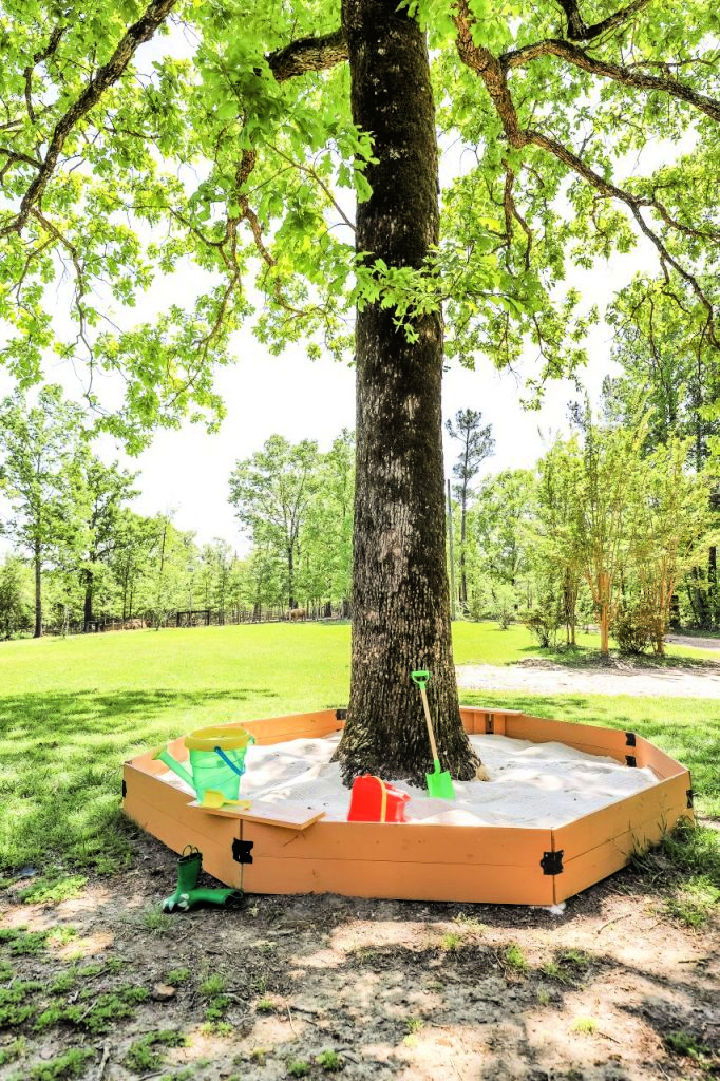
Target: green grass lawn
pixel 72 709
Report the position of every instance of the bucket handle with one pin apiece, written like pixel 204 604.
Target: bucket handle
pixel 219 751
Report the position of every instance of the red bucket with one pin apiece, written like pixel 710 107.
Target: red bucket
pixel 373 800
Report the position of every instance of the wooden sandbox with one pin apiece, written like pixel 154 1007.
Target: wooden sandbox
pixel 433 862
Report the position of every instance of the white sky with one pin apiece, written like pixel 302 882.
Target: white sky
pixel 186 471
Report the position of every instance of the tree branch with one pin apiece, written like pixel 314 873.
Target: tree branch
pixel 575 55
pixel 43 54
pixel 140 31
pixel 494 76
pixel 577 28
pixel 308 54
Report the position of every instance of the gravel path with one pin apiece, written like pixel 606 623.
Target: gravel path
pixel 690 640
pixel 547 678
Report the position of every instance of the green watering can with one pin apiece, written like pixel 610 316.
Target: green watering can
pixel 217 760
pixel 439 783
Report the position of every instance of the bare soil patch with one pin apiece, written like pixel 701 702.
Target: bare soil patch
pixel 327 986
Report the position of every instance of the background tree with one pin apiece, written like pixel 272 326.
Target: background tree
pixel 668 358
pixel 130 559
pixel 557 543
pixel 14 610
pixel 476 444
pixel 668 534
pixel 610 485
pixel 271 492
pixel 104 491
pixel 327 536
pixel 40 446
pixel 499 565
pixel 264 107
pixel 220 579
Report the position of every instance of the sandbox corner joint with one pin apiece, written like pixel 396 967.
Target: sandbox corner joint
pixel 242 851
pixel 552 862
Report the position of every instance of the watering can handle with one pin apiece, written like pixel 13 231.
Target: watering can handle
pixel 219 751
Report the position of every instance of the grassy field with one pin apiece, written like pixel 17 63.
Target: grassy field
pixel 72 709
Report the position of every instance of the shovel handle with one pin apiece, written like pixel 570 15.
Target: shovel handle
pixel 428 718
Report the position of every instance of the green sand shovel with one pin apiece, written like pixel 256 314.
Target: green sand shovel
pixel 439 784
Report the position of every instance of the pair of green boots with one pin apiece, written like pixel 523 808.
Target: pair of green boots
pixel 188 894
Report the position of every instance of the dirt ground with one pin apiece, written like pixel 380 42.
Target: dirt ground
pixel 611 990
pixel 546 677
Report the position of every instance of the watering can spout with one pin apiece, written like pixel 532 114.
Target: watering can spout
pixel 163 755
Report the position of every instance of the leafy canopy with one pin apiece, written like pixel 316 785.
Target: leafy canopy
pixel 213 140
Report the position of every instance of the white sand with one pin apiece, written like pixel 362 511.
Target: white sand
pixel 532 784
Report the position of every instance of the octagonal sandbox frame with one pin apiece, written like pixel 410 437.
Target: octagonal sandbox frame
pixel 433 862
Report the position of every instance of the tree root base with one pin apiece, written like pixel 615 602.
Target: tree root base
pixel 357 761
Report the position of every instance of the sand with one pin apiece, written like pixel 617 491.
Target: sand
pixel 542 785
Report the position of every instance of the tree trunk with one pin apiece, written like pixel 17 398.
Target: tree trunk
pixel 712 580
pixel 604 594
pixel 89 581
pixel 290 579
pixel 37 562
pixel 400 582
pixel 463 543
pixel 674 617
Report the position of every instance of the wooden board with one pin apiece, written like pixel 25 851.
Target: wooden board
pixel 405 843
pixel 285 814
pixel 293 852
pixel 166 813
pixel 601 843
pixel 589 738
pixel 407 881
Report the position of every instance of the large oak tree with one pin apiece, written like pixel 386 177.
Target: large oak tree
pixel 227 146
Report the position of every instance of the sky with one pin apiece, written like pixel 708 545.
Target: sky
pixel 186 471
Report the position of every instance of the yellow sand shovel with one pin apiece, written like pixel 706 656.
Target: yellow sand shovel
pixel 213 801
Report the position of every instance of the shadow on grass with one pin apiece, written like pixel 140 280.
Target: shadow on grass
pixel 590 657
pixel 60 765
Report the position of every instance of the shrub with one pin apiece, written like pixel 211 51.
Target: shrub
pixel 633 628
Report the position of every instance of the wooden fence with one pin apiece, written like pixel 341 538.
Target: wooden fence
pixel 206 617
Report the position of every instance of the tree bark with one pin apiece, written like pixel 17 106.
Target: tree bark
pixel 89 582
pixel 290 578
pixel 400 582
pixel 37 562
pixel 604 593
pixel 463 546
pixel 712 579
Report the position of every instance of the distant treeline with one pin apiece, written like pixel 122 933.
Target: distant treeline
pixel 82 559
pixel 614 525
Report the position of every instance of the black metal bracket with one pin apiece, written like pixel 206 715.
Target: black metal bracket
pixel 490 724
pixel 123 788
pixel 552 862
pixel 690 798
pixel 340 714
pixel 630 739
pixel 630 760
pixel 241 851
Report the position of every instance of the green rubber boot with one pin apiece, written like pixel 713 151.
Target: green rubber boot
pixel 187 893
